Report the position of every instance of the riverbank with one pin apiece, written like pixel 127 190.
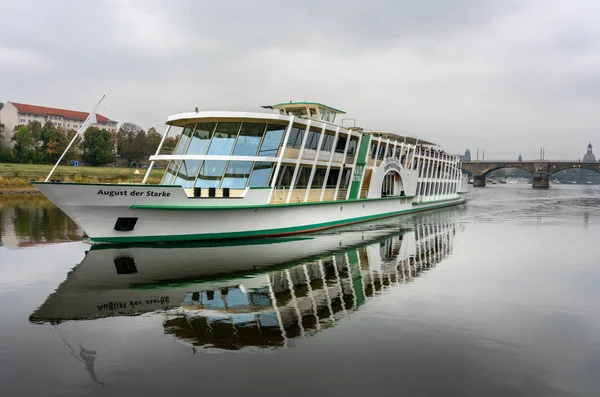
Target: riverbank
pixel 15 178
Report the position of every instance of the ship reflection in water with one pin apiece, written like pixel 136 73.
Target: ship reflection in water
pixel 229 296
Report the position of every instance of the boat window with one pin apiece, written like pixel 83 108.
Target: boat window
pixel 346 178
pixel 223 139
pixel 352 145
pixel 313 113
pixel 210 174
pixel 327 115
pixel 312 141
pixel 272 140
pixel 184 139
pixel 381 151
pixel 302 179
pixel 318 178
pixel 261 174
pixel 341 144
pixel 187 173
pixel 284 178
pixel 171 171
pixel 332 178
pixel 296 137
pixel 249 139
pixel 374 149
pixel 237 174
pixel 327 143
pixel 201 138
pixel 300 112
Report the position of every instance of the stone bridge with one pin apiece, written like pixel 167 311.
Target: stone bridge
pixel 539 169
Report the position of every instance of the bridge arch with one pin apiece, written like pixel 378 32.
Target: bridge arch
pixel 559 167
pixel 482 169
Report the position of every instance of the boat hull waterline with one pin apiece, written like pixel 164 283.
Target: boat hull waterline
pixel 165 213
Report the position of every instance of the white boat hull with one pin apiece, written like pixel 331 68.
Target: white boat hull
pixel 165 213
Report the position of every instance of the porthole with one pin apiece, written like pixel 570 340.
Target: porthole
pixel 125 224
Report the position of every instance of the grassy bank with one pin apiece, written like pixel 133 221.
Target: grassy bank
pixel 16 177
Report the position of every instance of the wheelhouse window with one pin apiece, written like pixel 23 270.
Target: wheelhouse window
pixel 272 140
pixel 296 137
pixel 299 112
pixel 237 174
pixel 211 173
pixel 249 139
pixel 223 139
pixel 261 174
pixel 187 173
pixel 184 139
pixel 201 138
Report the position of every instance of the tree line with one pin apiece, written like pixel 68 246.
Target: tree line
pixel 35 143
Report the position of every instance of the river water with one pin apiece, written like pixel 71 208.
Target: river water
pixel 500 297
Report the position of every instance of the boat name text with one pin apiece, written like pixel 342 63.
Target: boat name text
pixel 149 193
pixel 133 304
pixel 391 163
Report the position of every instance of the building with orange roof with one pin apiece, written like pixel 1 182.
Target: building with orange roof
pixel 13 114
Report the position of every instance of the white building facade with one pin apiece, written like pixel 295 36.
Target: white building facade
pixel 13 114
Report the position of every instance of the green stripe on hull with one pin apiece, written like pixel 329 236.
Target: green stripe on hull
pixel 266 232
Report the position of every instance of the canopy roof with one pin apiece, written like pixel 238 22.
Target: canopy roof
pixel 401 137
pixel 292 104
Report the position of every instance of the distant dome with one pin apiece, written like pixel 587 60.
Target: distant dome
pixel 589 156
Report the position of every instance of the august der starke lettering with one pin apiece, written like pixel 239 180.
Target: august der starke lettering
pixel 135 193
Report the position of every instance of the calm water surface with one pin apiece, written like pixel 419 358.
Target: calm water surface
pixel 500 297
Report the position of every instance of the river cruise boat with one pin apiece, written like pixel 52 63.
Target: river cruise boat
pixel 287 170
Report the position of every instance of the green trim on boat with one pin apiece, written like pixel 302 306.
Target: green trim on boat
pixel 266 232
pixel 309 103
pixel 260 187
pixel 256 206
pixel 435 201
pixel 359 170
pixel 205 244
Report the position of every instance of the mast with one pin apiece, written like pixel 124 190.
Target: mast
pixel 82 128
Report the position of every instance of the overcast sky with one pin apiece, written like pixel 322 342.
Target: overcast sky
pixel 506 76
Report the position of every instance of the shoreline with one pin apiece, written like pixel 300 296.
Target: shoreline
pixel 11 192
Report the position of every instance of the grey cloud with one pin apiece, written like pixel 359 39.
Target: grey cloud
pixel 503 75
